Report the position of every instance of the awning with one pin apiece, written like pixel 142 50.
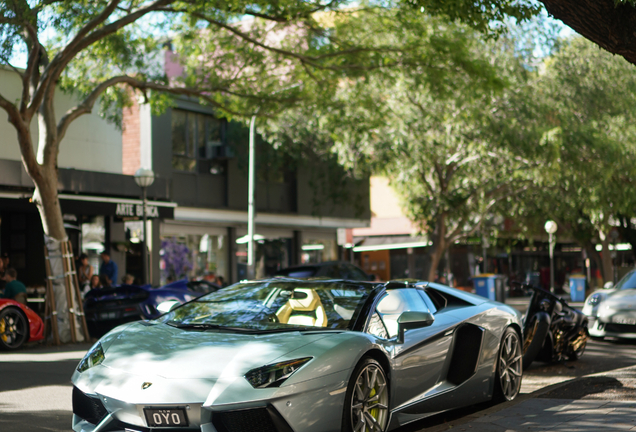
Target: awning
pixel 367 244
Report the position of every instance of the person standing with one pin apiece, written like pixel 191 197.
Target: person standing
pixel 108 270
pixel 14 289
pixel 2 270
pixel 84 273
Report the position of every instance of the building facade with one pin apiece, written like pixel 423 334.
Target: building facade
pixel 197 203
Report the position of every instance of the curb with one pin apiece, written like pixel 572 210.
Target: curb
pixel 472 417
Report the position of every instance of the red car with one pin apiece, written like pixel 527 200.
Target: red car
pixel 18 324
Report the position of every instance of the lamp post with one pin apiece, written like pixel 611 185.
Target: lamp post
pixel 250 203
pixel 144 178
pixel 551 228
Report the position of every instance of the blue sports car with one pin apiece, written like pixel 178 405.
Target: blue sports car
pixel 106 308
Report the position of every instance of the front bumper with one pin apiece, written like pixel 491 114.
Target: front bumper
pixel 262 419
pixel 600 328
pixel 311 406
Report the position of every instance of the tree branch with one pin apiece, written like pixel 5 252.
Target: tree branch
pixel 24 138
pixel 84 39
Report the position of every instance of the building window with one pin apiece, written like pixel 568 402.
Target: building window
pixel 196 142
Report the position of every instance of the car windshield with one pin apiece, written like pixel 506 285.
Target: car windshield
pixel 275 306
pixel 628 281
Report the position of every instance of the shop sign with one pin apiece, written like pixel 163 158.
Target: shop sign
pixel 136 211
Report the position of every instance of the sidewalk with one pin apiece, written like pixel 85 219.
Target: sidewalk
pixel 597 402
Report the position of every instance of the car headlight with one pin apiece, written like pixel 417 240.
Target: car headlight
pixel 275 374
pixel 594 299
pixel 92 358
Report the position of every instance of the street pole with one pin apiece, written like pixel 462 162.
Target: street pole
pixel 551 227
pixel 144 178
pixel 551 240
pixel 250 204
pixel 144 250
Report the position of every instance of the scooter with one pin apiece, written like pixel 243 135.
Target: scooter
pixel 553 331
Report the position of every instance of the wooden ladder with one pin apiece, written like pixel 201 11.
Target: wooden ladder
pixel 73 295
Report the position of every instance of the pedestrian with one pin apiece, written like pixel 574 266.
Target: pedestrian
pixel 2 270
pixel 108 270
pixel 95 282
pixel 128 279
pixel 5 261
pixel 84 273
pixel 220 281
pixel 14 289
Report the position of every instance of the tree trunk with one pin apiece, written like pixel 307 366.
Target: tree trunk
pixel 436 257
pixel 439 246
pixel 48 203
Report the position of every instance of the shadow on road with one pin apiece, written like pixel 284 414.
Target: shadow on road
pixel 47 421
pixel 24 375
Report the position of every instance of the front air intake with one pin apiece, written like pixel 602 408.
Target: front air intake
pixel 88 408
pixel 265 419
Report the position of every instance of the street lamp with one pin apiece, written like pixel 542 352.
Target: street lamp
pixel 144 178
pixel 551 228
pixel 250 202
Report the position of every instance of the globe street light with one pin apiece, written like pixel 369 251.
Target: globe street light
pixel 144 178
pixel 551 228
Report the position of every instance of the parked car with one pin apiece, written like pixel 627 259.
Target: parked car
pixel 314 356
pixel 328 269
pixel 18 324
pixel 612 311
pixel 107 308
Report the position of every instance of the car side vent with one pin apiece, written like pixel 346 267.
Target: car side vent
pixel 89 408
pixel 465 353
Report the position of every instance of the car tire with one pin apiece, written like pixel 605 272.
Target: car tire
pixel 14 328
pixel 509 369
pixel 368 387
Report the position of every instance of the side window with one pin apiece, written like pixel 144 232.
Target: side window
pixel 377 328
pixel 428 301
pixel 397 301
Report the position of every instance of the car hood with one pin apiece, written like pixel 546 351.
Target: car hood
pixel 622 299
pixel 169 352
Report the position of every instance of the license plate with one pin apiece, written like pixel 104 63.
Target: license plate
pixel 624 320
pixel 166 417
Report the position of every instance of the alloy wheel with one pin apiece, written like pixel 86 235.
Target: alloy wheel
pixel 13 328
pixel 510 365
pixel 369 404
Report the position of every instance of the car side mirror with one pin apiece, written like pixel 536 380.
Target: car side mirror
pixel 413 320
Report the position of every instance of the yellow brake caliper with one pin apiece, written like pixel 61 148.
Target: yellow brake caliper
pixel 3 334
pixel 373 411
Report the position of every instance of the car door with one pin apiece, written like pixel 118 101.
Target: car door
pixel 418 361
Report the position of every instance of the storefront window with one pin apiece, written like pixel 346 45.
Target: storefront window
pixel 193 257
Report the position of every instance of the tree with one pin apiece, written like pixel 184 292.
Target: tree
pixel 584 100
pixel 427 127
pixel 608 23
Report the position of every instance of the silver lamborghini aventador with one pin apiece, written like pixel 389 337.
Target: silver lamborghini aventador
pixel 306 356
